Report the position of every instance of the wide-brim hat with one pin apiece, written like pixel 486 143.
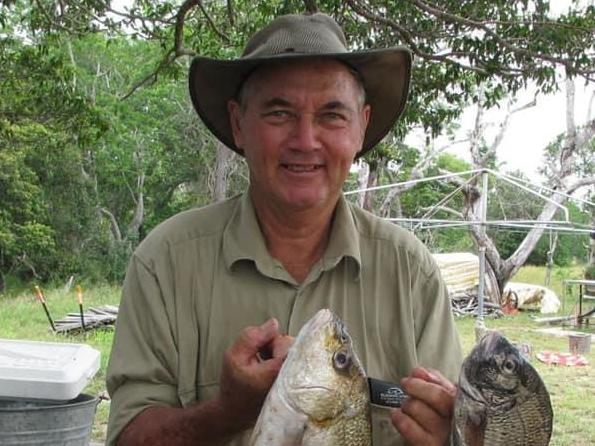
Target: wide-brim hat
pixel 385 73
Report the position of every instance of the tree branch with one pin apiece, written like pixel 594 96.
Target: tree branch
pixel 590 108
pixel 178 49
pixel 586 133
pixel 186 6
pixel 113 224
pixel 445 209
pixel 504 124
pixel 570 123
pixel 407 37
pixel 311 6
pixel 589 181
pixel 230 13
pixel 448 17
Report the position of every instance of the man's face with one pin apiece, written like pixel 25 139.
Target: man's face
pixel 300 126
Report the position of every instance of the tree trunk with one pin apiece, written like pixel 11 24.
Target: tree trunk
pixel 139 212
pixel 115 228
pixel 362 181
pixel 550 258
pixel 219 175
pixel 373 176
pixel 592 244
pixel 575 141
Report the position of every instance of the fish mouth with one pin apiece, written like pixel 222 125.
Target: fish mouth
pixel 322 318
pixel 304 388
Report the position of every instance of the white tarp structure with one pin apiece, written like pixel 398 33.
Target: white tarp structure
pixel 460 271
pixel 529 296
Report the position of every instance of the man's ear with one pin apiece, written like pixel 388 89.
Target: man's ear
pixel 366 112
pixel 235 113
pixel 365 117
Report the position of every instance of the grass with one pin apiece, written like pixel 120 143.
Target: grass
pixel 572 389
pixel 22 317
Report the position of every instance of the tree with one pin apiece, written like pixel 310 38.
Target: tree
pixel 125 141
pixel 569 156
pixel 42 122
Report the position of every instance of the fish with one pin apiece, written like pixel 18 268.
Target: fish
pixel 320 396
pixel 501 399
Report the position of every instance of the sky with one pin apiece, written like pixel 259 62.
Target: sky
pixel 529 131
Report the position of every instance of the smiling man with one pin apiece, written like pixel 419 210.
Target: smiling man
pixel 211 294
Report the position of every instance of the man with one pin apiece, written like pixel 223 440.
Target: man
pixel 209 293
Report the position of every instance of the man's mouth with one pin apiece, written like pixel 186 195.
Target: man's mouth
pixel 299 168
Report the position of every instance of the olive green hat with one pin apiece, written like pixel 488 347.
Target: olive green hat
pixel 385 73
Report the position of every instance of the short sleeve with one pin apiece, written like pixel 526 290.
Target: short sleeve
pixel 437 339
pixel 143 363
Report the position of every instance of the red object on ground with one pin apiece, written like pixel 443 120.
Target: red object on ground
pixel 567 359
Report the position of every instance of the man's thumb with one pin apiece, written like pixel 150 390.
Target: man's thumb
pixel 269 330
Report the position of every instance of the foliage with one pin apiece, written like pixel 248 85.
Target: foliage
pixel 42 123
pixel 77 161
pixel 508 202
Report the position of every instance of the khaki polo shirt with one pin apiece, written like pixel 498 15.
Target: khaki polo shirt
pixel 202 276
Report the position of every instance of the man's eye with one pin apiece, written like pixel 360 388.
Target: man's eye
pixel 332 116
pixel 278 114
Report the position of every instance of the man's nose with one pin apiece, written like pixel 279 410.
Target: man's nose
pixel 305 134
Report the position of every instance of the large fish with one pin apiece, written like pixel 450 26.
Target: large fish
pixel 502 400
pixel 320 396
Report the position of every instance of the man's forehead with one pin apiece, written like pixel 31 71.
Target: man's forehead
pixel 273 80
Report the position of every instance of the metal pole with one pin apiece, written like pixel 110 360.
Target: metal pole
pixel 480 327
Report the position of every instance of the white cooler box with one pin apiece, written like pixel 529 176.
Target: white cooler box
pixel 45 370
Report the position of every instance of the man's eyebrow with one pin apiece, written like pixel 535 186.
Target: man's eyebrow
pixel 336 105
pixel 275 102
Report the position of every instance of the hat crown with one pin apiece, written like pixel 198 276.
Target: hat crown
pixel 302 34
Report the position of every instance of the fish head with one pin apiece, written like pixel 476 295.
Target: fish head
pixel 494 373
pixel 322 376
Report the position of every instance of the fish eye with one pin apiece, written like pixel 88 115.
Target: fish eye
pixel 509 365
pixel 341 360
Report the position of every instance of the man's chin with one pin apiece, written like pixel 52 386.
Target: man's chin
pixel 305 202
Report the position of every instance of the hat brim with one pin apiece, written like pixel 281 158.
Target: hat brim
pixel 384 72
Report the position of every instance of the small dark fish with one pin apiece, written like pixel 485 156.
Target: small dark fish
pixel 502 400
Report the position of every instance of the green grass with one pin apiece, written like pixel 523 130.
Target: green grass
pixel 572 389
pixel 22 317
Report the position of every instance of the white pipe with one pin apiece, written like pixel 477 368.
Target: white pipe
pixel 406 183
pixel 525 188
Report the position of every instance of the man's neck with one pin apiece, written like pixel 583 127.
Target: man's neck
pixel 297 239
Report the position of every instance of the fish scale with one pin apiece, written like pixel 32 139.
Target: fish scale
pixel 320 397
pixel 500 407
pixel 524 425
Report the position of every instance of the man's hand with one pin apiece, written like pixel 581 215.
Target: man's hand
pixel 425 417
pixel 250 367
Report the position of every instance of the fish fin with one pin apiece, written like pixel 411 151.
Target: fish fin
pixel 474 434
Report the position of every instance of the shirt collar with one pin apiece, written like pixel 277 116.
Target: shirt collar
pixel 243 240
pixel 344 239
